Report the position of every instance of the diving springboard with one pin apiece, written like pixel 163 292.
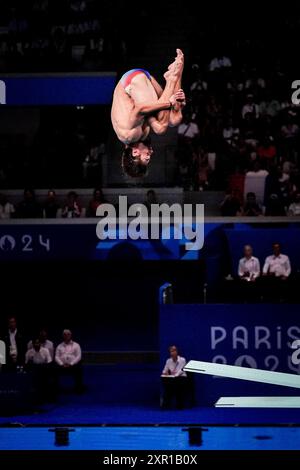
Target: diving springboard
pixel 244 373
pixel 258 402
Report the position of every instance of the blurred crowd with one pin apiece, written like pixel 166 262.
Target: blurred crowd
pixel 240 133
pixel 29 207
pixel 69 206
pixel 42 35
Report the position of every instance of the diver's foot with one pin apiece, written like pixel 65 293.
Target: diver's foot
pixel 178 67
pixel 168 74
pixel 180 54
pixel 178 59
pixel 174 69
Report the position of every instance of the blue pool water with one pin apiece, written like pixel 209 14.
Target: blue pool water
pixel 153 438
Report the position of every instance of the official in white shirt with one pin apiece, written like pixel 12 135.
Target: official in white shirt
pixel 45 342
pixel 68 359
pixel 277 265
pixel 248 290
pixel 276 274
pixel 37 355
pixel 174 380
pixel 38 364
pixel 249 265
pixel 175 364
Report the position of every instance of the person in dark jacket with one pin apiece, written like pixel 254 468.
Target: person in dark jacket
pixel 15 345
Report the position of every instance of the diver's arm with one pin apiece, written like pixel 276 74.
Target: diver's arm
pixel 145 109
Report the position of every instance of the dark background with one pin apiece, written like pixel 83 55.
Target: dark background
pixel 110 305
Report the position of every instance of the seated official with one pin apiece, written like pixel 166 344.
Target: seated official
pixel 37 354
pixel 45 342
pixel 249 266
pixel 174 380
pixel 37 360
pixel 277 265
pixel 68 359
pixel 276 272
pixel 248 274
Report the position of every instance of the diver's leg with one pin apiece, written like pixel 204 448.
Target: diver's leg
pixel 143 90
pixel 174 116
pixel 158 89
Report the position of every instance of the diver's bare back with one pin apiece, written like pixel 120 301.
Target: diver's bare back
pixel 128 128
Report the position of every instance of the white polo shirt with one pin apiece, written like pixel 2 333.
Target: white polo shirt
pixel 279 265
pixel 174 368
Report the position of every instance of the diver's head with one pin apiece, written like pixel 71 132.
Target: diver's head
pixel 136 158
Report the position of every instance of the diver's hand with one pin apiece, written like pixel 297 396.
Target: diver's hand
pixel 173 100
pixel 180 97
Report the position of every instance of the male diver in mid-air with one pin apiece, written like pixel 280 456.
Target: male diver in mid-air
pixel 140 104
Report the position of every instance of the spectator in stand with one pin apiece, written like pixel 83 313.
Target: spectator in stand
pixel 220 62
pixel 44 342
pixel 7 209
pixel 251 207
pixel 199 84
pixel 273 185
pixel 290 134
pixel 290 130
pixel 285 187
pixel 51 206
pixel 231 205
pixel 184 173
pixel 249 129
pixel 255 83
pixel 72 209
pixel 294 209
pixel 255 181
pixel 15 347
pixel 230 132
pixel 213 108
pixel 29 208
pixel 92 163
pixel 188 129
pixel 269 106
pixel 77 6
pixel 202 170
pixel 250 107
pixel 267 151
pixel 288 169
pixel 234 86
pixel 68 360
pixel 98 199
pixel 274 206
pixel 151 198
pixel 59 45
